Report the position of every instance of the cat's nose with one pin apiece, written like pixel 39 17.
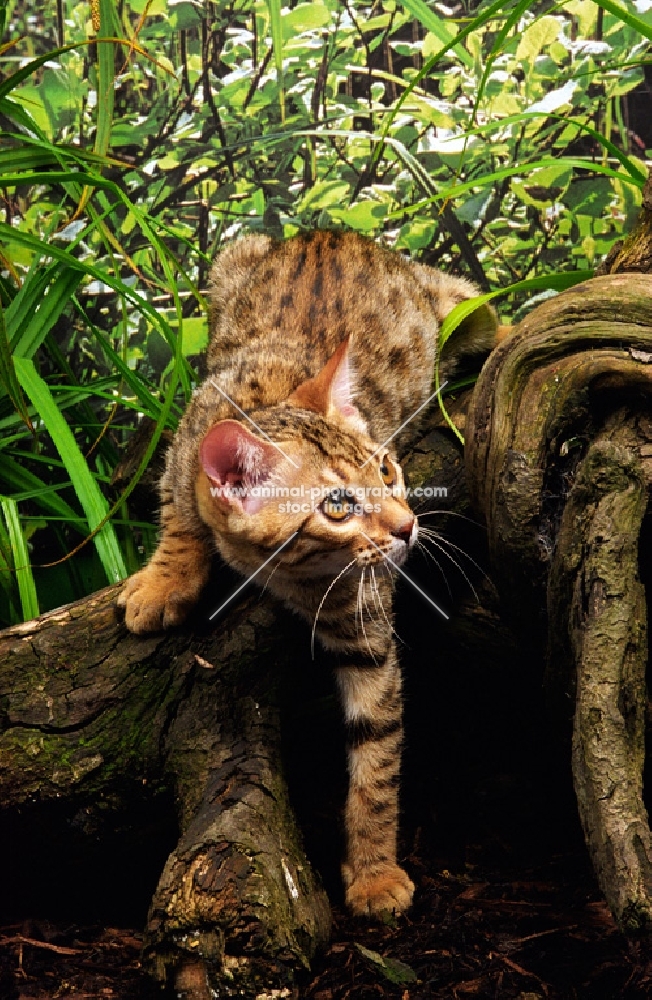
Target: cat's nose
pixel 404 531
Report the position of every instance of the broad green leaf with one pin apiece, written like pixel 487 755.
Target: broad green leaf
pixel 324 194
pixel 392 969
pixel 195 335
pixel 545 186
pixel 305 17
pixel 365 216
pixel 542 32
pixel 182 16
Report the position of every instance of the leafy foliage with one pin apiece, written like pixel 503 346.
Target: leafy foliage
pixel 493 140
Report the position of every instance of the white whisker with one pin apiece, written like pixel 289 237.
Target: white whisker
pixel 430 533
pixel 269 578
pixel 380 602
pixel 436 540
pixel 364 631
pixel 429 555
pixel 321 604
pixel 364 597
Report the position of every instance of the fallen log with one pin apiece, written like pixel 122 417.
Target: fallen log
pixel 89 708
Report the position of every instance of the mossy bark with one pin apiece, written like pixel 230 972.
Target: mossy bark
pixel 558 458
pixel 88 708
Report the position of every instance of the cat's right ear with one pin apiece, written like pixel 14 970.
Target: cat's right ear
pixel 237 463
pixel 332 389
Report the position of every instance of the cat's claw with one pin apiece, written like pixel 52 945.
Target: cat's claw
pixel 387 890
pixel 153 602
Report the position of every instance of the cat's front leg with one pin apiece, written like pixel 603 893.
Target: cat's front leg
pixel 161 595
pixel 371 695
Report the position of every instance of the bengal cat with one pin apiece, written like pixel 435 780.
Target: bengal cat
pixel 327 343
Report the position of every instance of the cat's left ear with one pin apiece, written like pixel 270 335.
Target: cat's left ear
pixel 331 391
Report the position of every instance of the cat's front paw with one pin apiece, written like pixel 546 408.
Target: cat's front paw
pixel 385 889
pixel 153 602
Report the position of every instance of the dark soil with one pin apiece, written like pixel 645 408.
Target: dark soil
pixel 530 934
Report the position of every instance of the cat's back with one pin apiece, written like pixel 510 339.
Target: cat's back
pixel 280 309
pixel 309 292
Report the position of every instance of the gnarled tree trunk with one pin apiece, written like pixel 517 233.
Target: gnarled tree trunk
pixel 559 462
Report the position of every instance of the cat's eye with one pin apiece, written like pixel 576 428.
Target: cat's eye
pixel 387 473
pixel 337 506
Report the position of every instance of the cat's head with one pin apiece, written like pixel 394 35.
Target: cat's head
pixel 308 471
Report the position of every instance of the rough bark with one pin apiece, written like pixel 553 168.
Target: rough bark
pixel 595 592
pixel 89 709
pixel 558 459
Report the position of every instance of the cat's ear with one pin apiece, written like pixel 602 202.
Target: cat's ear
pixel 237 463
pixel 332 389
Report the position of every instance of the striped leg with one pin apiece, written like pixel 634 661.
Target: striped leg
pixel 161 594
pixel 373 711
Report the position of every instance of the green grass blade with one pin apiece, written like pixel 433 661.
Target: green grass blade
pixel 524 116
pixel 13 158
pixel 8 373
pixel 56 177
pixel 274 7
pixel 439 28
pixel 45 153
pixel 558 282
pixel 31 487
pixel 105 73
pixel 88 493
pixel 19 115
pixel 10 233
pixel 150 405
pixel 7 576
pixel 455 190
pixel 27 338
pixel 23 570
pixel 642 27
